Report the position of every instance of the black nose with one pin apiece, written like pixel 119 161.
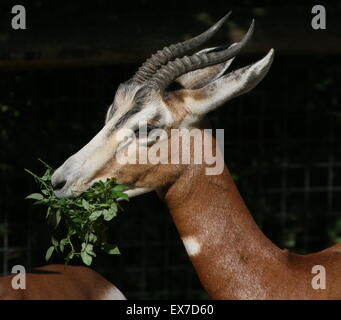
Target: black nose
pixel 59 185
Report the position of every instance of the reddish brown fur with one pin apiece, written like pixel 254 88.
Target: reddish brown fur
pixel 236 260
pixel 58 282
pixel 175 102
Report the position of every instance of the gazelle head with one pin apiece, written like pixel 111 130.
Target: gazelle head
pixel 169 91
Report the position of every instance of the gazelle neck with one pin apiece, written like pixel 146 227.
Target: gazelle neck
pixel 233 258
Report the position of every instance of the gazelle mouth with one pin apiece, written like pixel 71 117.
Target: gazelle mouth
pixel 72 191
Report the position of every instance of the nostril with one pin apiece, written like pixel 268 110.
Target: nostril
pixel 59 185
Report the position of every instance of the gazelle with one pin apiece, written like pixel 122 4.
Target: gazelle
pixel 59 282
pixel 232 257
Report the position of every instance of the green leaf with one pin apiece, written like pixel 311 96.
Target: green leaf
pixel 111 249
pixel 35 196
pixel 95 215
pixel 89 249
pixel 109 214
pixel 64 241
pixel 49 253
pixel 119 187
pixel 86 205
pixel 48 212
pixel 54 241
pixel 92 238
pixel 61 248
pixel 69 257
pixel 76 220
pixel 54 218
pixel 71 232
pixel 58 217
pixel 86 258
pixel 113 207
pixel 123 195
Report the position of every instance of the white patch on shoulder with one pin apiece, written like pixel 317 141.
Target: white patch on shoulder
pixel 192 245
pixel 113 294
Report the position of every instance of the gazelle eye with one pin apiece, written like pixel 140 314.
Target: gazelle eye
pixel 144 132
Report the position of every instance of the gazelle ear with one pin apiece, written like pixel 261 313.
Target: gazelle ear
pixel 203 100
pixel 201 77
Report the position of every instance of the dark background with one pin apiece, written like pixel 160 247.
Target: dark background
pixel 282 140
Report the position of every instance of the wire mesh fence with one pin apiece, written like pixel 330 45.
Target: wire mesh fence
pixel 282 145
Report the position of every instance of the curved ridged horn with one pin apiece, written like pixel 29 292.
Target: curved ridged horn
pixel 173 69
pixel 161 57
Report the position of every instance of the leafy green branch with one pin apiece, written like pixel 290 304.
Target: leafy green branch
pixel 86 217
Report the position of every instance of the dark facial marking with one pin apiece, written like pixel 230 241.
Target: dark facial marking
pixel 127 115
pixel 139 101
